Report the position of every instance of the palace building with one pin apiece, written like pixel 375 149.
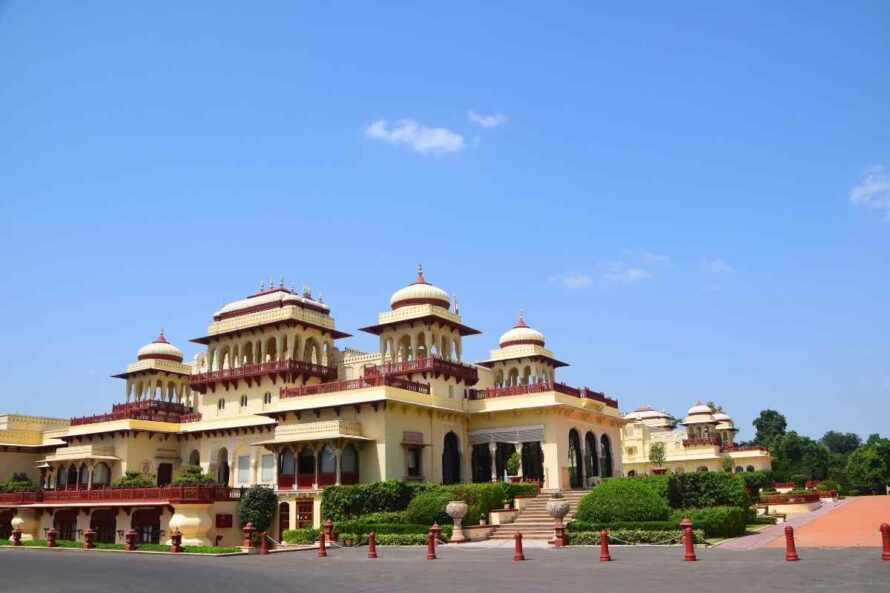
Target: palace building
pixel 273 399
pixel 704 443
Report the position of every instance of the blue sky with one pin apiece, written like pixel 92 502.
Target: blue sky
pixel 691 201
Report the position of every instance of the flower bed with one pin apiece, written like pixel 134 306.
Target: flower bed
pixel 790 498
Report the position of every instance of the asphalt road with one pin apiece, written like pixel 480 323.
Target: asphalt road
pixel 644 569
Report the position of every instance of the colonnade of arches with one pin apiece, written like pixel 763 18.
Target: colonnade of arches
pixel 167 388
pixel 412 344
pixel 703 431
pixel 588 458
pixel 523 374
pixel 283 346
pixel 73 476
pixel 316 466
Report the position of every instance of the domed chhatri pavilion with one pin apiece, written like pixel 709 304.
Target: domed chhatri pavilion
pixel 273 400
pixel 703 443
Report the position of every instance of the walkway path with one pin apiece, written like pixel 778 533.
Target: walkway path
pixel 853 522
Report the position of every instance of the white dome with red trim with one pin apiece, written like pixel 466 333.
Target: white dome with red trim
pixel 160 349
pixel 521 334
pixel 420 292
pixel 699 414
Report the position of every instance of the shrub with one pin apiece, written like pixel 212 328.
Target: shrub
pixel 210 550
pixel 722 521
pixel 667 486
pixel 383 517
pixel 755 481
pixel 633 536
pixel 300 536
pixel 193 474
pixel 480 498
pixel 800 479
pixel 621 499
pixel 18 482
pixel 360 527
pixel 344 502
pixel 826 485
pixel 428 507
pixel 513 463
pixel 134 479
pixel 258 505
pixel 514 489
pixel 763 520
pixel 400 539
pixel 666 525
pixel 710 489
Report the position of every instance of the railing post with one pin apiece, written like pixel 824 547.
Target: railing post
pixel 176 542
pixel 688 541
pixel 322 552
pixel 248 530
pixel 372 545
pixel 885 541
pixel 604 547
pixel 790 548
pixel 264 544
pixel 518 554
pixel 430 546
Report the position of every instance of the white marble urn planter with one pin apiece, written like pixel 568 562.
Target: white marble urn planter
pixel 457 510
pixel 558 508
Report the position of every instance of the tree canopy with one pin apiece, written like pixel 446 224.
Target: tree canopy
pixel 768 425
pixel 843 443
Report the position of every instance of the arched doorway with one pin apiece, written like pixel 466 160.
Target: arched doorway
pixel 65 522
pixel 576 469
pixel 481 463
pixel 606 450
pixel 283 519
pixel 222 467
pixel 147 523
pixel 591 463
pixel 194 457
pixel 533 461
pixel 165 474
pixel 450 459
pixel 104 523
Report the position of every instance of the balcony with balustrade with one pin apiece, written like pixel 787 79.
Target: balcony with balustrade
pixel 427 365
pixel 198 493
pixel 542 387
pixel 154 410
pixel 288 371
pixel 353 384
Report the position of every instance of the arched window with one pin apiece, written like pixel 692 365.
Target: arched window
pixel 222 466
pixel 328 462
pixel 576 470
pixel 349 465
pixel 606 456
pixel 101 474
pixel 739 469
pixel 631 473
pixel 84 476
pixel 591 463
pixel 286 463
pixel 267 397
pixel 194 457
pixel 61 476
pixel 244 401
pixel 702 468
pixel 450 459
pixel 750 468
pixel 221 404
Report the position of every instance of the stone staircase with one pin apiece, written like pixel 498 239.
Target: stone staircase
pixel 534 522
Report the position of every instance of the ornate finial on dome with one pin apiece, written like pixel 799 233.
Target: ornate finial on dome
pixel 420 278
pixel 271 284
pixel 293 287
pixel 456 309
pixel 281 281
pixel 262 285
pixel 161 339
pixel 321 298
pixel 521 321
pixel 307 291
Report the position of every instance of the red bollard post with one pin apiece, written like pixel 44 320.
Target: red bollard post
pixel 372 545
pixel 264 544
pixel 688 540
pixel 437 531
pixel 329 530
pixel 176 542
pixel 604 547
pixel 248 531
pixel 790 549
pixel 88 537
pixel 130 539
pixel 885 541
pixel 322 551
pixel 430 546
pixel 16 537
pixel 559 534
pixel 51 536
pixel 517 547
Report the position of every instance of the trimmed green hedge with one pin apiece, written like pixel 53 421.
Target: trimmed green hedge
pixel 400 539
pixel 429 506
pixel 300 536
pixel 719 521
pixel 622 499
pixel 711 489
pixel 387 517
pixel 763 520
pixel 578 526
pixel 514 489
pixel 633 536
pixel 346 502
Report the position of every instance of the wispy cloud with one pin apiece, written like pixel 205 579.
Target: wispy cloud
pixel 487 121
pixel 873 190
pixel 571 281
pixel 417 137
pixel 618 272
pixel 651 259
pixel 718 266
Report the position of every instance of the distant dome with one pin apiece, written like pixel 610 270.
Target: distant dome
pixel 420 292
pixel 521 334
pixel 699 408
pixel 160 349
pixel 721 417
pixel 698 414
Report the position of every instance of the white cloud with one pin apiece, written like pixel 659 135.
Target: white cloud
pixel 571 281
pixel 718 266
pixel 873 191
pixel 654 258
pixel 487 121
pixel 417 137
pixel 621 273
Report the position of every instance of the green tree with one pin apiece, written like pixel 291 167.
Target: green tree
pixel 866 469
pixel 513 463
pixel 796 455
pixel 134 479
pixel 193 474
pixel 656 454
pixel 727 463
pixel 257 506
pixel 842 443
pixel 768 425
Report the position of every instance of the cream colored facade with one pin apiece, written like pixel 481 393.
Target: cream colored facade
pixel 274 400
pixel 706 438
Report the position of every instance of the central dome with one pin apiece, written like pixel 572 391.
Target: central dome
pixel 521 334
pixel 160 349
pixel 420 292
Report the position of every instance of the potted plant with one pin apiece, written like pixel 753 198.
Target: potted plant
pixel 657 456
pixel 483 520
pixel 513 464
